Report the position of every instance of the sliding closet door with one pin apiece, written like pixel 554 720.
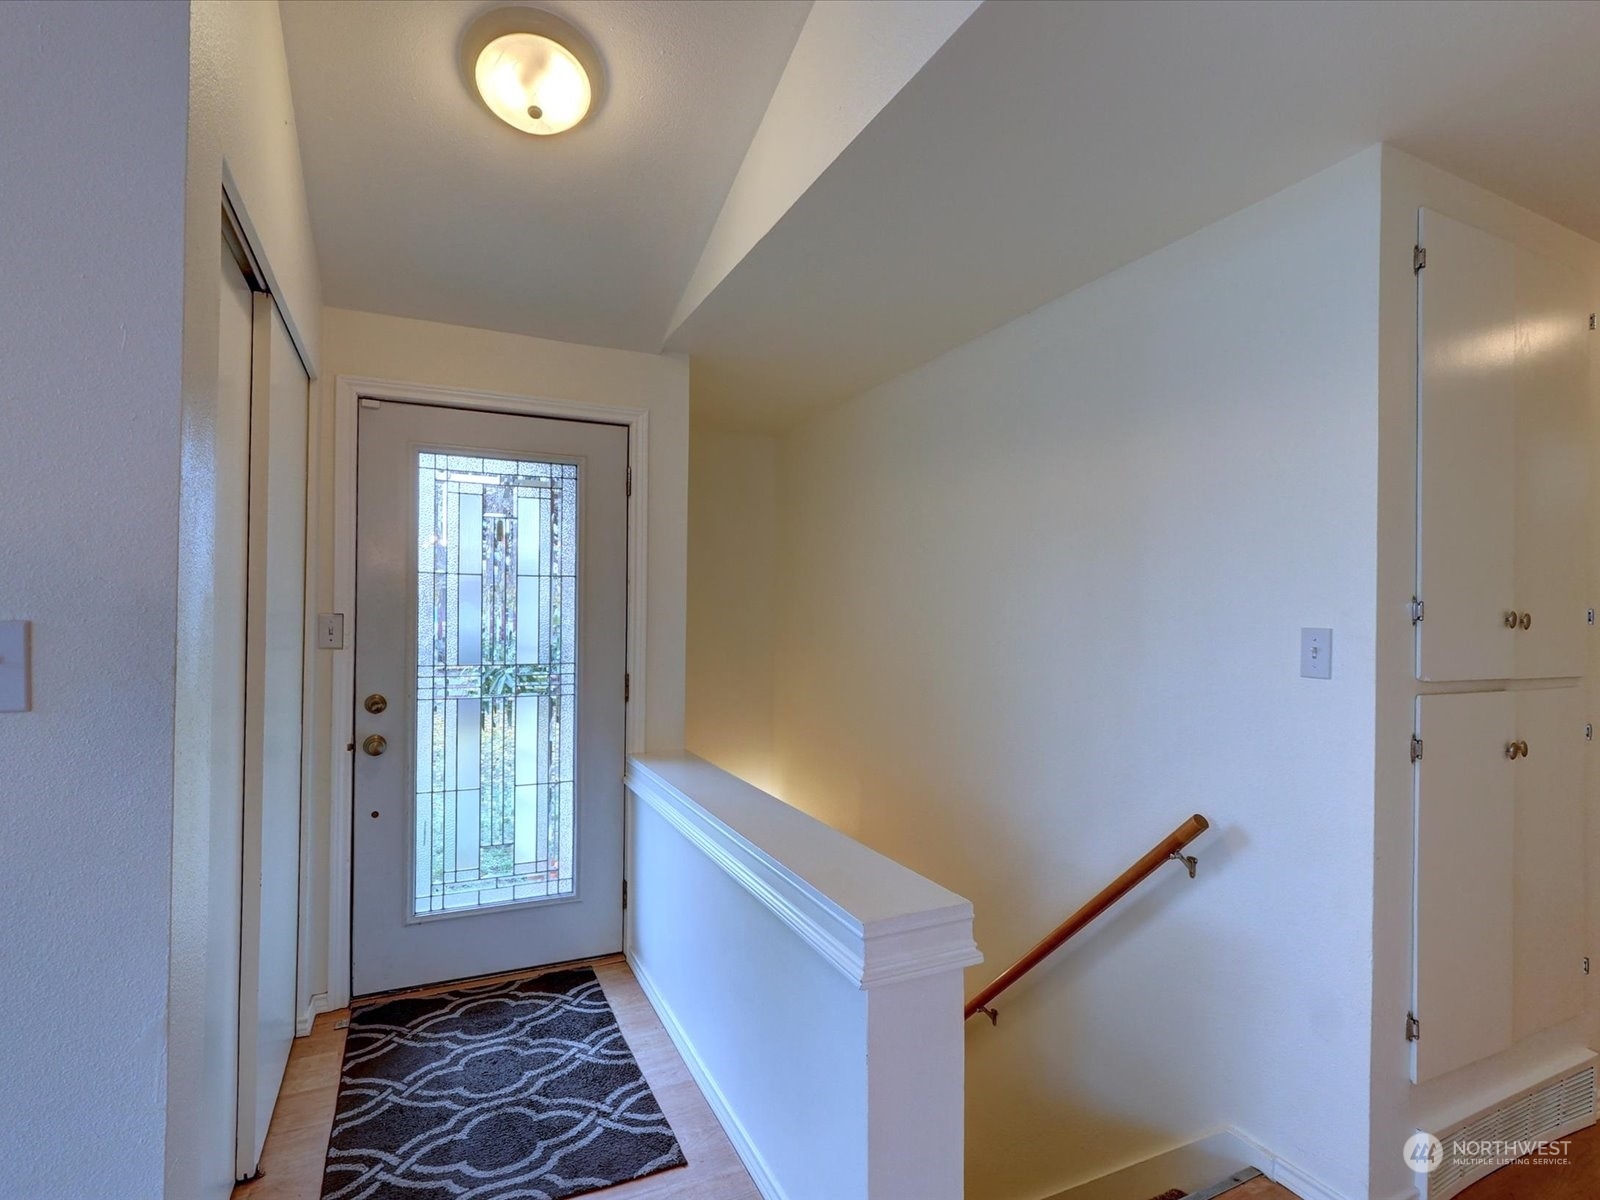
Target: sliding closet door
pixel 274 689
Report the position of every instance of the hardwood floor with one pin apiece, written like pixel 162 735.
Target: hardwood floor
pixel 297 1141
pixel 1260 1188
pixel 1577 1179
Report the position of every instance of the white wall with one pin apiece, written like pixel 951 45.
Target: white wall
pixel 733 498
pixel 1039 600
pixel 407 351
pixel 850 59
pixel 91 307
pixel 242 134
pixel 1397 1107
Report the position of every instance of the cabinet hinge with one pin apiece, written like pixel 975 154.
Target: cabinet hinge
pixel 627 688
pixel 1416 748
pixel 1419 259
pixel 624 893
pixel 1416 611
pixel 630 481
pixel 1413 1028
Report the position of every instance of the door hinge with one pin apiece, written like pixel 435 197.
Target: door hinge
pixel 1416 748
pixel 1591 322
pixel 630 481
pixel 625 898
pixel 1588 733
pixel 1413 1028
pixel 1419 259
pixel 627 688
pixel 1416 611
pixel 1586 964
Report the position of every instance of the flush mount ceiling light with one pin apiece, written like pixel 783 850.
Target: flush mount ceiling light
pixel 531 69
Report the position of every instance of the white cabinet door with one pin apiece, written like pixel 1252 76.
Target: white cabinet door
pixel 1464 886
pixel 1552 379
pixel 1502 459
pixel 1550 859
pixel 1466 501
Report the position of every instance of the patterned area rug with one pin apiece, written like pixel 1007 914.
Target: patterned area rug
pixel 523 1089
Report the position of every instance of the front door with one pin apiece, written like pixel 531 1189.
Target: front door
pixel 491 585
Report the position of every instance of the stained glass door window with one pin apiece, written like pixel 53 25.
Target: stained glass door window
pixel 497 556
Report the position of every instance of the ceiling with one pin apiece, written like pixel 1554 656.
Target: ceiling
pixel 423 205
pixel 1042 146
pixel 1045 145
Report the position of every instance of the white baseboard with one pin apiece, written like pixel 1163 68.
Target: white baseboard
pixel 1190 1167
pixel 318 1004
pixel 760 1173
pixel 1197 1165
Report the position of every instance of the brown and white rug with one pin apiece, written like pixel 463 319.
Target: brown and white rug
pixel 520 1089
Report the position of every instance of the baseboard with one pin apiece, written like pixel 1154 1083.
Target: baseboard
pixel 318 1004
pixel 1191 1167
pixel 1197 1165
pixel 760 1173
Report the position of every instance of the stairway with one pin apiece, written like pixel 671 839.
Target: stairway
pixel 1248 1184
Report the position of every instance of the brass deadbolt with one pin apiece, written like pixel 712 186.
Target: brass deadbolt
pixel 375 703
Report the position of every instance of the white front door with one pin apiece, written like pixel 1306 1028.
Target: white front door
pixel 491 587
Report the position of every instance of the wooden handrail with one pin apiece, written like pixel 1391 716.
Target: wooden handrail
pixel 1169 848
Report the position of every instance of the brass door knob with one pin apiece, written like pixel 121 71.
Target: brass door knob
pixel 375 744
pixel 1513 751
pixel 1511 619
pixel 1523 748
pixel 375 703
pixel 1526 622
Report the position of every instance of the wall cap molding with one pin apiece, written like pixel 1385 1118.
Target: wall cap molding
pixel 877 923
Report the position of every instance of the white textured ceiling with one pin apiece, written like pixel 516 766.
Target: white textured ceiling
pixel 424 205
pixel 1046 144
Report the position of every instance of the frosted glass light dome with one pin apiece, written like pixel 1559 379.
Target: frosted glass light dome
pixel 533 83
pixel 533 70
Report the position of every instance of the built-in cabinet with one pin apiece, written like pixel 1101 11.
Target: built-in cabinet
pixel 1502 563
pixel 1502 459
pixel 1500 870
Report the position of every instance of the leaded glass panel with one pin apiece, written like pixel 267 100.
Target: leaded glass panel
pixel 496 681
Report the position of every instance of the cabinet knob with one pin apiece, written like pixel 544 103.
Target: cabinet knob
pixel 1526 622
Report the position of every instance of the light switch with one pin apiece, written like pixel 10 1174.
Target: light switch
pixel 14 666
pixel 1316 653
pixel 330 631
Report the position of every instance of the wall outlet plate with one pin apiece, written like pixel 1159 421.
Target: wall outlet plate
pixel 1316 653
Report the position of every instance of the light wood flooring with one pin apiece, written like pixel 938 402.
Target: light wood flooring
pixel 1577 1179
pixel 297 1142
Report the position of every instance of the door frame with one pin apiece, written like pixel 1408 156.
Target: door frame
pixel 349 391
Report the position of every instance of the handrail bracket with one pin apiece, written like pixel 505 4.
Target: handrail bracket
pixel 992 1013
pixel 1187 860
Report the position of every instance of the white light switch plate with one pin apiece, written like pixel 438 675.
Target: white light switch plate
pixel 330 631
pixel 14 666
pixel 1316 653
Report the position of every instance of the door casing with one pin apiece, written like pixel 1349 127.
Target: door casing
pixel 349 391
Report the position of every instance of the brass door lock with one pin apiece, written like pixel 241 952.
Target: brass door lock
pixel 375 744
pixel 375 703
